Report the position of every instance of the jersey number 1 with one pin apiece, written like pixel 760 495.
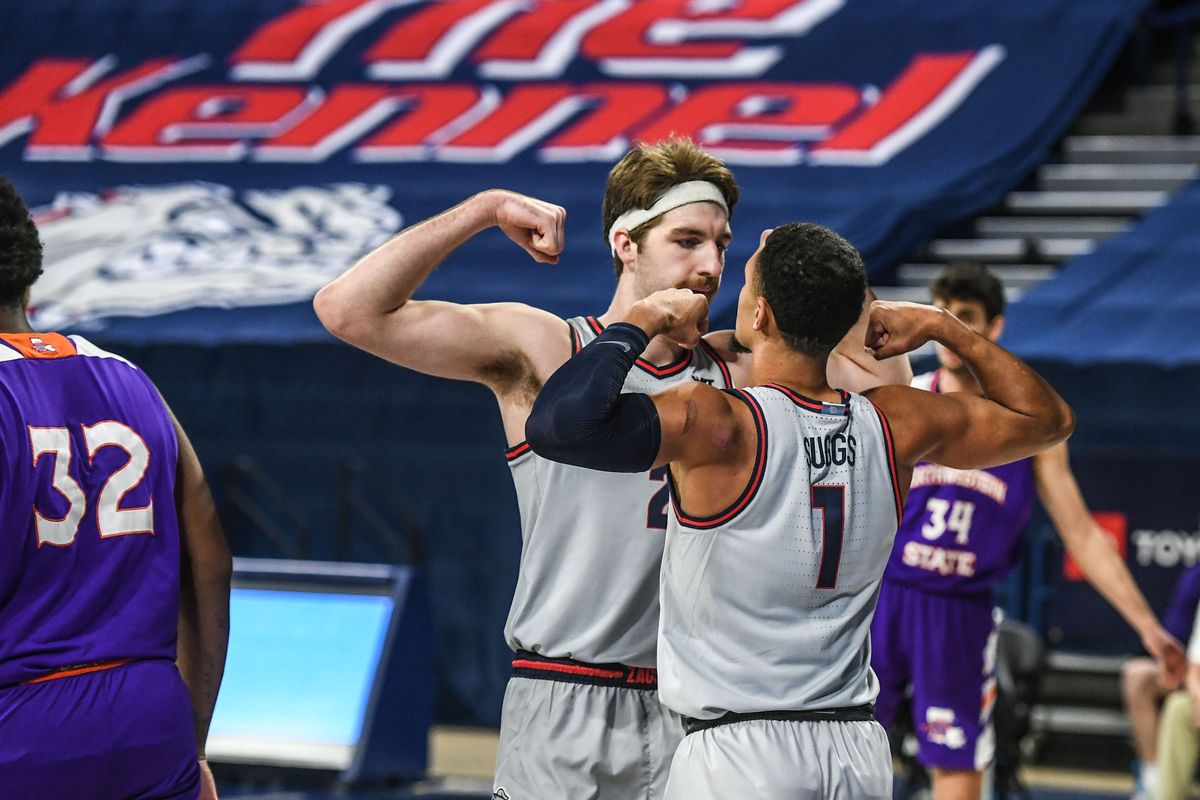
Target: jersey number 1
pixel 110 519
pixel 831 500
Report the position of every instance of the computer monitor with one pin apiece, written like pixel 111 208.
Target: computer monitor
pixel 329 667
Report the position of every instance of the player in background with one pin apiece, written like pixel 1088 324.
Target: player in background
pixel 786 497
pixel 935 628
pixel 114 573
pixel 1144 684
pixel 581 716
pixel 1178 745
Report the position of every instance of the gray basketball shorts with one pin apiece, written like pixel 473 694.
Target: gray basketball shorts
pixel 783 760
pixel 563 740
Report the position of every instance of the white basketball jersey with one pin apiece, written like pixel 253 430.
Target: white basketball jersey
pixel 767 606
pixel 593 541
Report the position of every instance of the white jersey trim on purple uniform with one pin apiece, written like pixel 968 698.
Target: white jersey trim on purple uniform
pixel 85 348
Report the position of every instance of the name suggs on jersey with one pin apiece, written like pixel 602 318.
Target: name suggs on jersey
pixel 836 449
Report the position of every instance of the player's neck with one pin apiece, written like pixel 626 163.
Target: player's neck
pixel 660 351
pixel 776 363
pixel 13 320
pixel 958 380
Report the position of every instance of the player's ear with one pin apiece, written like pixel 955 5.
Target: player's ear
pixel 995 327
pixel 626 250
pixel 764 318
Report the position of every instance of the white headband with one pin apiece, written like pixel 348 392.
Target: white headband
pixel 681 194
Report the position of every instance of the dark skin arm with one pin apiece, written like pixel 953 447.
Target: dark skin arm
pixel 204 576
pixel 1018 416
pixel 708 437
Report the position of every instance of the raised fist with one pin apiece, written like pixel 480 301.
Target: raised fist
pixel 680 315
pixel 535 225
pixel 897 328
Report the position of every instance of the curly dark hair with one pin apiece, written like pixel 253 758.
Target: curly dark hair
pixel 970 283
pixel 20 247
pixel 815 283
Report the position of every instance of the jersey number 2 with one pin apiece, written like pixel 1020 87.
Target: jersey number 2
pixel 831 500
pixel 110 519
pixel 656 513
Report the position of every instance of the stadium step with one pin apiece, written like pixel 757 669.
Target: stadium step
pixel 1014 276
pixel 1115 177
pixel 1148 109
pixel 920 294
pixel 1010 250
pixel 902 294
pixel 1080 202
pixel 1131 149
pixel 1119 162
pixel 1080 720
pixel 1080 694
pixel 1157 95
pixel 1094 228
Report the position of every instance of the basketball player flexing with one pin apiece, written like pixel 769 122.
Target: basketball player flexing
pixel 581 716
pixel 936 625
pixel 787 496
pixel 112 566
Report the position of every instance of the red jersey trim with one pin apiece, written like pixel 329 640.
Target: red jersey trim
pixel 756 476
pixel 517 450
pixel 83 669
pixel 575 348
pixel 667 371
pixel 821 407
pixel 720 362
pixel 569 669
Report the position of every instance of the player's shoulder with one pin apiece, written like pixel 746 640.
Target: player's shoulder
pixel 721 342
pixel 701 401
pixel 901 402
pixel 518 312
pixel 523 323
pixel 88 349
pixel 723 346
pixel 51 346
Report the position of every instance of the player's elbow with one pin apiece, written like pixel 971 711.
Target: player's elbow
pixel 339 316
pixel 329 311
pixel 625 439
pixel 1063 423
pixel 1047 429
pixel 549 435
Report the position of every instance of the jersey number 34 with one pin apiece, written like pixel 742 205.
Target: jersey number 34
pixel 111 520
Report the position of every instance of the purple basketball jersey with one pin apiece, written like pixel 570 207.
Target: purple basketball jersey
pixel 962 529
pixel 1185 597
pixel 89 538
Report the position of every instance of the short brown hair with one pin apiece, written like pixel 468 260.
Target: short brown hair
pixel 646 173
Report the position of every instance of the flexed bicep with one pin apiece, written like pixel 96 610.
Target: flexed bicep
pixel 501 345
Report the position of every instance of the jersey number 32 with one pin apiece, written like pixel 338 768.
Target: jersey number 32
pixel 111 520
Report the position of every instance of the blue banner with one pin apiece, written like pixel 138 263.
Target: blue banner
pixel 1150 509
pixel 1133 301
pixel 190 161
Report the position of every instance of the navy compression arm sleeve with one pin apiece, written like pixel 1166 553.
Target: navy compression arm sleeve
pixel 580 416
